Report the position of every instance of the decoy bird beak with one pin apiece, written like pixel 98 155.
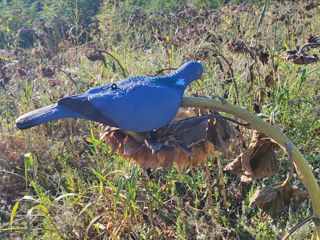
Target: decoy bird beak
pixel 202 77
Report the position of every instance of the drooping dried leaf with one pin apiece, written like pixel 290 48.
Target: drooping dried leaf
pixel 269 79
pixel 272 200
pixel 263 57
pixel 312 38
pixel 130 146
pixel 183 133
pixel 258 161
pixel 219 132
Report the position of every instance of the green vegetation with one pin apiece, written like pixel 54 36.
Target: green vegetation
pixel 60 181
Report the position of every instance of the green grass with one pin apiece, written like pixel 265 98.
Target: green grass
pixel 68 184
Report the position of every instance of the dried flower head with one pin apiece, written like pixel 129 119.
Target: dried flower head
pixel 184 142
pixel 237 46
pixel 21 72
pixel 298 57
pixel 95 56
pixel 46 71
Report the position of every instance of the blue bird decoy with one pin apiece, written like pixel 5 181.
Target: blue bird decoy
pixel 136 104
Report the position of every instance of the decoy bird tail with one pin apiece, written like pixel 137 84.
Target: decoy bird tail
pixel 43 115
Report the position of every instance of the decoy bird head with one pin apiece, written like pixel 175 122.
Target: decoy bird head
pixel 188 73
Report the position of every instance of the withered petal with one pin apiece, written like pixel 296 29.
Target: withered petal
pixel 130 146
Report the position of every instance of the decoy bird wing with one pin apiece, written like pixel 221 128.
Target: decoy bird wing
pixel 83 105
pixel 144 107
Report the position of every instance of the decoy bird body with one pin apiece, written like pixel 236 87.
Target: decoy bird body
pixel 136 104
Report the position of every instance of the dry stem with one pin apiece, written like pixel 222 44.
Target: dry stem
pixel 301 164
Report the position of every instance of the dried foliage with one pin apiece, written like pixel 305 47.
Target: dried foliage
pixel 237 46
pixel 185 142
pixel 95 56
pixel 270 78
pixel 46 71
pixel 312 38
pixel 298 57
pixel 12 185
pixel 21 72
pixel 219 133
pixel 272 200
pixel 263 57
pixel 41 51
pixel 310 5
pixel 258 161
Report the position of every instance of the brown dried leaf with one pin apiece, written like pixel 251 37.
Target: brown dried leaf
pixel 263 57
pixel 312 38
pixel 199 154
pixel 115 140
pixel 183 133
pixel 163 157
pixel 130 146
pixel 219 134
pixel 272 200
pixel 269 79
pixel 21 72
pixel 181 160
pixel 258 161
pixel 143 157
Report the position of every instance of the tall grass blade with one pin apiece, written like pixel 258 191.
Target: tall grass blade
pixel 263 12
pixel 13 212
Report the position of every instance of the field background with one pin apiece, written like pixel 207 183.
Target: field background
pixel 59 181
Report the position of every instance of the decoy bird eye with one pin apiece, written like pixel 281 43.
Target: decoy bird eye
pixel 113 86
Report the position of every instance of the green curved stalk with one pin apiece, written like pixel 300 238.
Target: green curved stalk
pixel 301 164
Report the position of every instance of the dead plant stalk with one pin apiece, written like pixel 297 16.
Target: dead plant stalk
pixel 300 163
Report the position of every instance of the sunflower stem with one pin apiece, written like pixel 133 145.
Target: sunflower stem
pixel 300 163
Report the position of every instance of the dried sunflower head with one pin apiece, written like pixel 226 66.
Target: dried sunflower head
pixel 237 46
pixel 299 57
pixel 183 142
pixel 46 71
pixel 95 56
pixel 21 72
